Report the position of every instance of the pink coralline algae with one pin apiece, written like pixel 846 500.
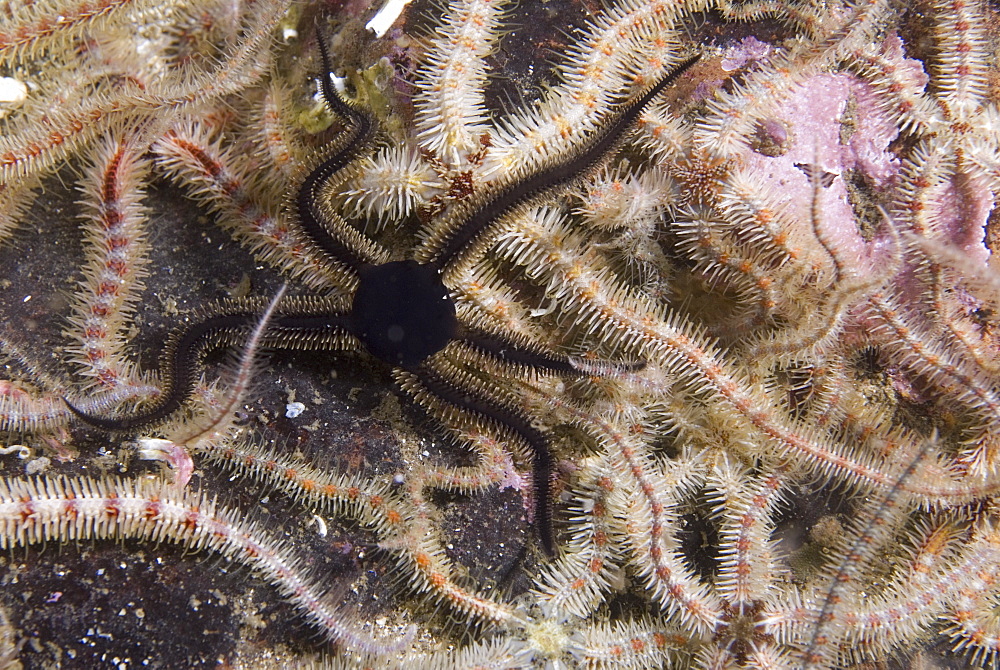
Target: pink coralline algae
pixel 745 51
pixel 832 122
pixel 836 122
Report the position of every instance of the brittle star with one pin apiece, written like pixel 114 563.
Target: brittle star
pixel 402 311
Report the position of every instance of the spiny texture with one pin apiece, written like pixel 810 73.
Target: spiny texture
pixel 795 240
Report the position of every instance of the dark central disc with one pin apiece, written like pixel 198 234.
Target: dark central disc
pixel 402 312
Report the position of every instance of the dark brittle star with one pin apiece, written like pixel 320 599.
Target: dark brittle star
pixel 402 312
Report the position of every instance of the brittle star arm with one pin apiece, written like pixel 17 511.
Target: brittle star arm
pixel 504 418
pixel 522 353
pixel 472 397
pixel 301 324
pixel 328 231
pixel 468 236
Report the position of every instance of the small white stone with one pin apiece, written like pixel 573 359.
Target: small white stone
pixel 37 465
pixel 386 16
pixel 13 92
pixel 320 522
